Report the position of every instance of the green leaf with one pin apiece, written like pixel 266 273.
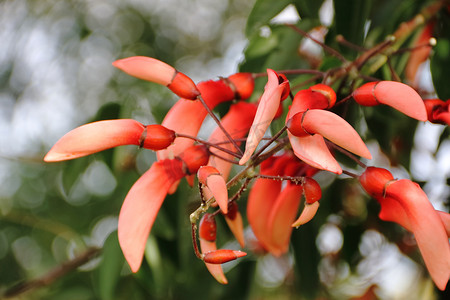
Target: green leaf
pixel 308 8
pixel 110 267
pixel 263 11
pixel 440 60
pixel 259 46
pixel 350 19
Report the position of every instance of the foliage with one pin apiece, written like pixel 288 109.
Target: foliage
pixel 58 221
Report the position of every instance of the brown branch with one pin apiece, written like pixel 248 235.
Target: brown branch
pixel 54 274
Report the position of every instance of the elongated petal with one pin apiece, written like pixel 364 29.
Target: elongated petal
pixel 308 212
pixel 335 129
pixel 147 68
pixel 94 137
pixel 237 123
pixel 313 151
pixel 262 196
pixel 445 218
pixel 282 215
pixel 419 55
pixel 216 184
pixel 395 94
pixel 427 227
pixel 141 206
pixel 236 226
pixel 215 270
pixel 267 108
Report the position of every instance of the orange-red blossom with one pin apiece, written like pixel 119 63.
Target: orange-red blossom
pixel 404 202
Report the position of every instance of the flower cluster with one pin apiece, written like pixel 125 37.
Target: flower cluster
pixel 282 167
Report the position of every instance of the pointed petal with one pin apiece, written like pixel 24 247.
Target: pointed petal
pixel 218 187
pixel 260 202
pixel 282 215
pixel 236 226
pixel 215 270
pixel 393 211
pixel 335 129
pixel 308 212
pixel 94 137
pixel 427 227
pixel 236 122
pixel 147 68
pixel 141 206
pixel 313 151
pixel 267 108
pixel 401 97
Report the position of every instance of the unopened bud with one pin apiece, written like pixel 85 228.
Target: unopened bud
pixel 222 256
pixel 374 181
pixel 208 228
pixel 156 137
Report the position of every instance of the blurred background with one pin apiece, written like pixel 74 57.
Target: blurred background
pixel 56 74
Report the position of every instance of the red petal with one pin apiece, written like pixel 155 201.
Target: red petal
pixel 218 187
pixel 308 212
pixel 313 151
pixel 236 226
pixel 374 180
pixel 147 68
pixel 141 206
pixel 244 84
pixel 94 137
pixel 215 270
pixel 236 122
pixel 427 227
pixel 335 129
pixel 267 108
pixel 283 213
pixel 260 202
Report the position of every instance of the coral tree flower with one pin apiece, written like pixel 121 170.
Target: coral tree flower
pixel 211 178
pixel 438 111
pixel 151 69
pixel 308 123
pixel 404 202
pixel 272 207
pixel 98 136
pixel 395 94
pixel 267 109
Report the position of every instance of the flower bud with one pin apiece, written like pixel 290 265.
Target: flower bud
pixel 208 228
pixel 156 137
pixel 222 256
pixel 244 84
pixel 327 91
pixel 311 190
pixel 183 86
pixel 194 157
pixel 374 180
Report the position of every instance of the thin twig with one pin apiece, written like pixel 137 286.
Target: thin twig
pixel 220 124
pixel 325 47
pixel 182 135
pixel 274 138
pixel 54 274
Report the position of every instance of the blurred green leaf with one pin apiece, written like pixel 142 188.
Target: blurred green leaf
pixel 110 267
pixel 308 8
pixel 263 11
pixel 440 59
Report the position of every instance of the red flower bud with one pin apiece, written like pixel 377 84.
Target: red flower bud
pixel 232 210
pixel 287 89
pixel 208 228
pixel 327 91
pixel 374 180
pixel 222 256
pixel 244 84
pixel 365 94
pixel 184 87
pixel 312 190
pixel 156 137
pixel 295 126
pixel 194 157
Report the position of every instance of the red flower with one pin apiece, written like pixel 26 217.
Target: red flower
pixel 404 202
pixel 395 94
pixel 438 111
pixel 267 108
